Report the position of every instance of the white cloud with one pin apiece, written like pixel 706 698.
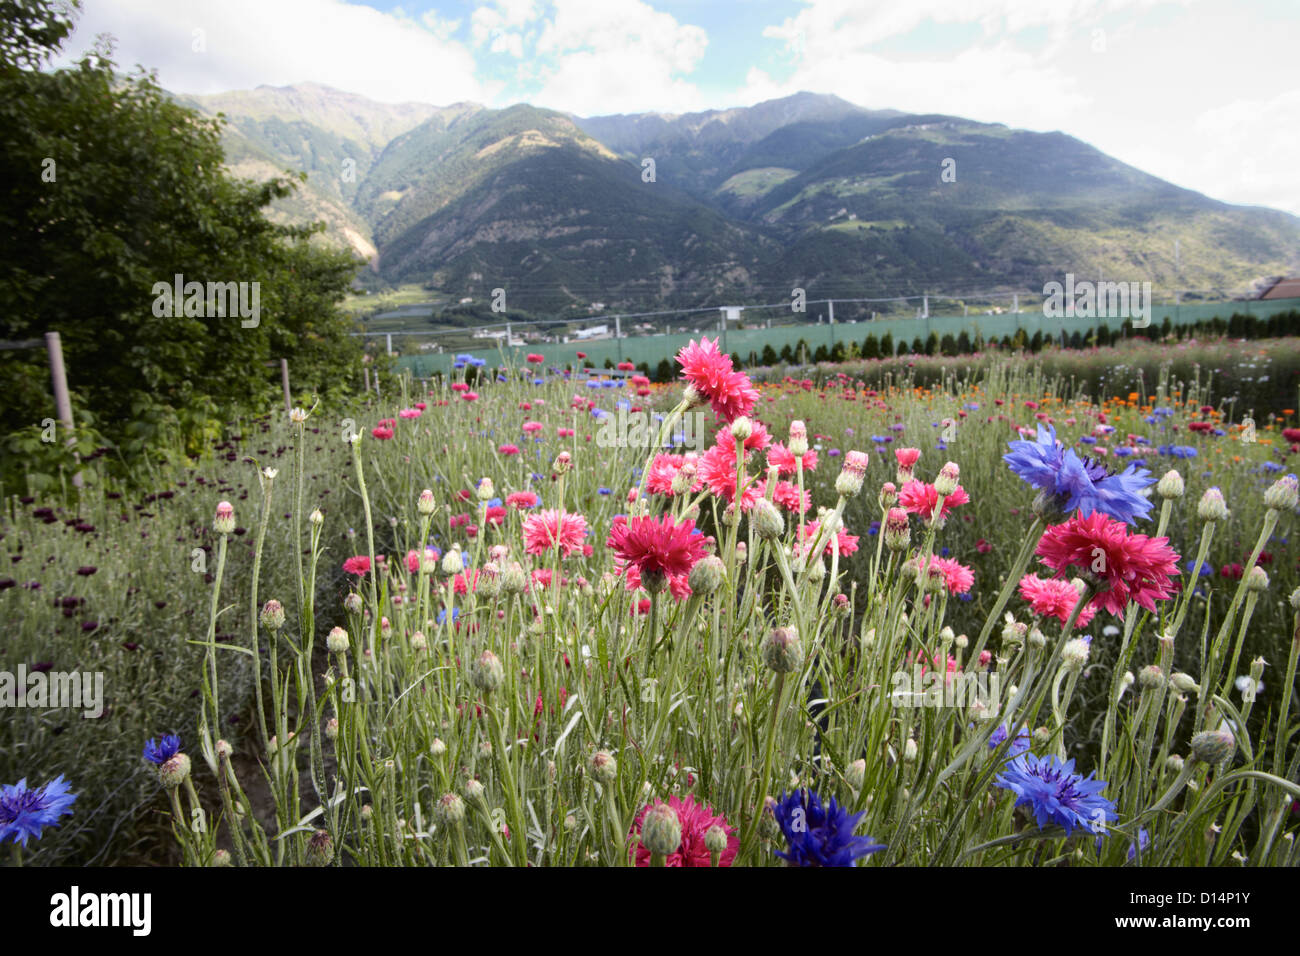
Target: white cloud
pixel 618 56
pixel 387 57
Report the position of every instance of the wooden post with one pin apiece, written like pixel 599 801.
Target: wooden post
pixel 284 380
pixel 62 404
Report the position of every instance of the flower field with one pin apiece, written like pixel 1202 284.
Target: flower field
pixel 511 619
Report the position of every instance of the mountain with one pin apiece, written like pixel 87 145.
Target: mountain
pixel 808 190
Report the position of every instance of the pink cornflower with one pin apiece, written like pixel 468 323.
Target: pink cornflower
pixel 657 547
pixel 920 498
pixel 553 528
pixel 459 387
pixel 410 413
pixel 695 819
pixel 710 373
pixel 535 359
pixel 956 576
pixel 843 542
pixel 523 499
pixel 679 585
pixel 358 565
pixel 529 427
pixel 786 494
pixel 382 432
pixel 470 396
pixel 1131 567
pixel 717 469
pixel 1054 597
pixel 564 432
pixel 507 450
pixel 784 461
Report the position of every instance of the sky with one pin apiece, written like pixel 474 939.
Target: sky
pixel 1203 93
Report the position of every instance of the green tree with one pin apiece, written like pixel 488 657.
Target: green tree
pixel 964 346
pixel 887 345
pixel 870 347
pixel 787 354
pixel 948 345
pixel 769 356
pixel 113 191
pixel 837 352
pixel 664 371
pixel 932 344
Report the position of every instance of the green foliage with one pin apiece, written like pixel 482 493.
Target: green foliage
pixel 135 195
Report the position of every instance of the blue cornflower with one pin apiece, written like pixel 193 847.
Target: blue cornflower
pixel 1019 744
pixel 1048 465
pixel 25 813
pixel 442 614
pixel 1087 439
pixel 817 835
pixel 603 491
pixel 457 364
pixel 478 362
pixel 1143 841
pixel 1190 565
pixel 1056 794
pixel 537 381
pixel 160 751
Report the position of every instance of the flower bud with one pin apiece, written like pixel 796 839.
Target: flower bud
pixel 320 849
pixel 782 651
pixel 945 483
pixel 224 520
pixel 909 751
pixel 563 463
pixel 1171 485
pixel 742 428
pixel 316 517
pixel 1151 677
pixel 224 750
pixel 661 830
pixel 715 841
pixel 352 603
pixel 332 728
pixel 474 789
pixel 766 520
pixel 1295 600
pixel 437 748
pixel 853 473
pixel 1213 746
pixel 426 505
pixel 1175 763
pixel 604 767
pixel 419 643
pixel 513 579
pixel 1283 494
pixel 1212 506
pixel 1041 736
pixel 856 774
pixel 222 858
pixel 174 771
pixel 337 641
pixel 450 810
pixel 1184 683
pixel 486 673
pixel 888 496
pixel 486 491
pixel 1257 580
pixel 272 616
pixel 898 532
pixel 798 443
pixel 452 562
pixel 708 575
pixel 1075 654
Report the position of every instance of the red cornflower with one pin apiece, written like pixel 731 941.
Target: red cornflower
pixel 553 528
pixel 523 499
pixel 907 457
pixel 1133 567
pixel 695 818
pixel 382 432
pixel 536 359
pixel 358 565
pixel 657 546
pixel 1053 597
pixel 709 372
